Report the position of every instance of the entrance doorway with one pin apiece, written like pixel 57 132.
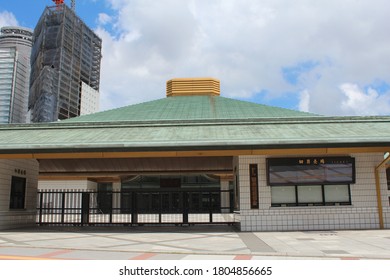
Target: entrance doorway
pixel 137 207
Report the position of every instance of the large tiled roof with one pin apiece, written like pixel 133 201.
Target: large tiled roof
pixel 190 123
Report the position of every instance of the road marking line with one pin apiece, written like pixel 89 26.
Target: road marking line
pixel 243 257
pixel 143 256
pixel 8 257
pixel 53 254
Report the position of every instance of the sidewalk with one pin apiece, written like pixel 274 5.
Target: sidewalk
pixel 189 243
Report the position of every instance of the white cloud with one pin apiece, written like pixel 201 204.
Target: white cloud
pixel 7 19
pixel 245 44
pixel 304 103
pixel 104 19
pixel 359 102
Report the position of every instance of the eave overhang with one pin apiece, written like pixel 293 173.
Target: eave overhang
pixel 207 137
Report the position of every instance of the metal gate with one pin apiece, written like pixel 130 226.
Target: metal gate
pixel 135 207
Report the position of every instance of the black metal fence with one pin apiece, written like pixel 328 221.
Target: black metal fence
pixel 135 207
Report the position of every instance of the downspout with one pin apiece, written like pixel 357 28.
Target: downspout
pixel 378 190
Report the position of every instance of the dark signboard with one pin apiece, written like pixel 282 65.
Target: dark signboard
pixel 310 170
pixel 254 186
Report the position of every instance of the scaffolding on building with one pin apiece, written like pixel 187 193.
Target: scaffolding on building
pixel 66 53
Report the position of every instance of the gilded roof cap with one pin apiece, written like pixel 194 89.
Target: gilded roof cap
pixel 193 86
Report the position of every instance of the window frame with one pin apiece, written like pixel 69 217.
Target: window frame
pixel 322 203
pixel 299 194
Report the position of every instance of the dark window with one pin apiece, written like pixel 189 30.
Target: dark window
pixel 170 182
pixel 310 171
pixel 18 193
pixel 104 197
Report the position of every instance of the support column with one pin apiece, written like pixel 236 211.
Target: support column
pixel 225 199
pixel 116 198
pixel 378 190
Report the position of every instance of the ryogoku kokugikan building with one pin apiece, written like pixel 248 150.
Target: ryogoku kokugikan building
pixel 196 157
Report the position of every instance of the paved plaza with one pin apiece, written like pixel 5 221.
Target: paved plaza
pixel 190 243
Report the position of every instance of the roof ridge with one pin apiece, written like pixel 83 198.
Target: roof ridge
pixel 202 122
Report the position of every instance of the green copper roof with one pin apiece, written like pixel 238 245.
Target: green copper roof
pixel 187 108
pixel 185 123
pixel 251 134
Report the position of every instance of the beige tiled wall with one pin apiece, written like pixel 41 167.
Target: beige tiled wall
pixel 18 218
pixel 362 214
pixel 67 185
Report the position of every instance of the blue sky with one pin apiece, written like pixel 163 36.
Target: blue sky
pixel 325 57
pixel 27 12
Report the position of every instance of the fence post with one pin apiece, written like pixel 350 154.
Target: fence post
pixel 63 208
pixel 84 208
pixel 185 208
pixel 231 203
pixel 40 207
pixel 134 210
pixel 210 207
pixel 111 204
pixel 160 208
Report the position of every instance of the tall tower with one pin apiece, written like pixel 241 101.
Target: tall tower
pixel 65 60
pixel 15 50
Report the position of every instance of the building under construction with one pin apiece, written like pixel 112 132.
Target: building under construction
pixel 65 59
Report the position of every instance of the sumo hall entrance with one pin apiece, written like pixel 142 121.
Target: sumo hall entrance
pixel 141 200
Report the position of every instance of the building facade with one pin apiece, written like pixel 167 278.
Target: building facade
pixel 196 157
pixel 66 54
pixel 90 100
pixel 310 203
pixel 15 50
pixel 18 192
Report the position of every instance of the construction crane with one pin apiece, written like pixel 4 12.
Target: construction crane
pixel 72 3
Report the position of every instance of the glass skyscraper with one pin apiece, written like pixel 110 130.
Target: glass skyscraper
pixel 15 50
